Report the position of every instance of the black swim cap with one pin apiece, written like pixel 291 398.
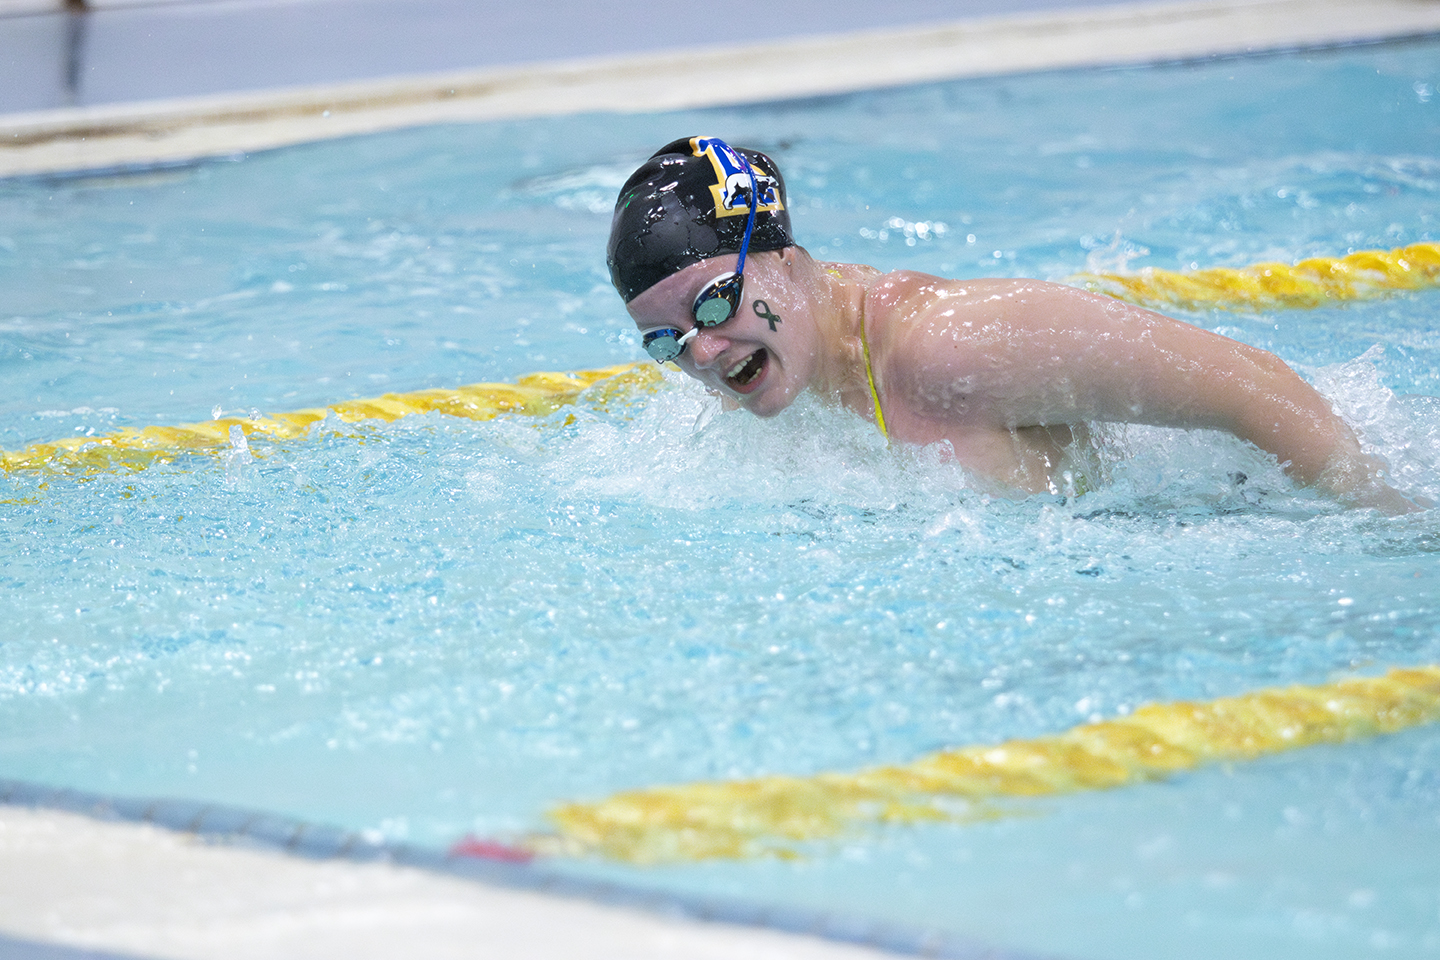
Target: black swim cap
pixel 687 203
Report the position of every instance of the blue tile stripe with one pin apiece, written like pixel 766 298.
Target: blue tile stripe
pixel 235 825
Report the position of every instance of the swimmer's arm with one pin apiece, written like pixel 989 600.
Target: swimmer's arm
pixel 1068 355
pixel 1145 367
pixel 1262 400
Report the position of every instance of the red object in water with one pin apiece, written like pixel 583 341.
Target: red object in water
pixel 473 846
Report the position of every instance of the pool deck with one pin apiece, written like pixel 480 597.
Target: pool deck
pixel 598 63
pixel 73 886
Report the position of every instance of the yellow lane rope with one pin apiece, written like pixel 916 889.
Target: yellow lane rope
pixel 1278 286
pixel 776 815
pixel 135 448
pixel 1264 286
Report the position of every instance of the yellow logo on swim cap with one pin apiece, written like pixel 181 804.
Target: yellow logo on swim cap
pixel 733 181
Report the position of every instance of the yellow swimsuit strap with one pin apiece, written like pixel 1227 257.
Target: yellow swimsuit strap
pixel 869 369
pixel 870 376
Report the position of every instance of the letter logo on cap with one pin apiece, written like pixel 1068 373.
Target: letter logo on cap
pixel 733 182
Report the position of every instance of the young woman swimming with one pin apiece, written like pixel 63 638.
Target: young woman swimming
pixel 1007 372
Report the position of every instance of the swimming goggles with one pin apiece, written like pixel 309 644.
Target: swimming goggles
pixel 719 299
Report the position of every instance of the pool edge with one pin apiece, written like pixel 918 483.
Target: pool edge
pixel 167 131
pixel 222 825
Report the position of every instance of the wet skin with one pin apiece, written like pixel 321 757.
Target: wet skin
pixel 1004 371
pixel 742 359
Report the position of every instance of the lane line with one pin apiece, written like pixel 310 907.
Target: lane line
pixel 1316 282
pixel 1265 286
pixel 780 815
pixel 135 448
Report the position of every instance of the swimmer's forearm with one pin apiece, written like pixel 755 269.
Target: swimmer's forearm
pixel 1283 415
pixel 1035 354
pixel 1255 395
pixel 1290 419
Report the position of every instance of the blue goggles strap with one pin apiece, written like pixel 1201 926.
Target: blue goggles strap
pixel 754 202
pixel 731 290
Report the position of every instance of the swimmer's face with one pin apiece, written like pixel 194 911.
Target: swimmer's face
pixel 763 356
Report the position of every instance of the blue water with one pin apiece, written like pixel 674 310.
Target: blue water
pixel 437 626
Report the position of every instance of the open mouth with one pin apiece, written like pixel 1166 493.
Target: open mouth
pixel 747 371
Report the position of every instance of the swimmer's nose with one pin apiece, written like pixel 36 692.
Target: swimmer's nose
pixel 706 348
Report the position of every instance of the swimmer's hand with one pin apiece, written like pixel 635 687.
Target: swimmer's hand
pixel 1356 482
pixel 1393 503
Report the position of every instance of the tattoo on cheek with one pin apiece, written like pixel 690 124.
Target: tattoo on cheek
pixel 762 310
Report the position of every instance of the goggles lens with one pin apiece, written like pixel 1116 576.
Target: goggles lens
pixel 666 344
pixel 719 299
pixel 717 302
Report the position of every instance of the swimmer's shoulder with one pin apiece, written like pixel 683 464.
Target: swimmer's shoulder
pixel 908 314
pixel 895 303
pixel 893 290
pixel 907 295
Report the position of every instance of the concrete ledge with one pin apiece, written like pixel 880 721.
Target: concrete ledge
pixel 158 132
pixel 73 888
pixel 9 8
pixel 144 848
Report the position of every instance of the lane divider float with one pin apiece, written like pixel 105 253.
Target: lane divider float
pixel 1263 286
pixel 1316 282
pixel 135 448
pixel 779 815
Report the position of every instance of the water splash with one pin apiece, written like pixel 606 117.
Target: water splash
pixel 237 459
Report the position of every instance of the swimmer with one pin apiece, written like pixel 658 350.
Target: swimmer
pixel 1006 372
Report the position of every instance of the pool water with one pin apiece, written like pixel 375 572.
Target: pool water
pixel 436 626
